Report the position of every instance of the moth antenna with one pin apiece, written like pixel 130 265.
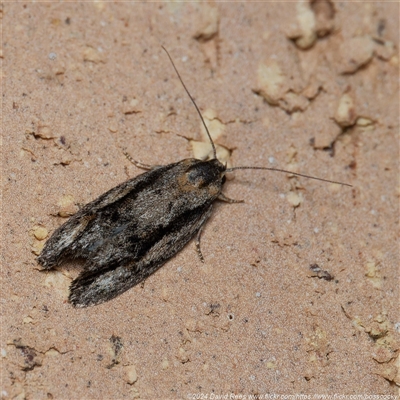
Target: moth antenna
pixel 191 98
pixel 290 172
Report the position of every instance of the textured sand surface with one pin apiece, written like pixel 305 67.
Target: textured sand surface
pixel 309 88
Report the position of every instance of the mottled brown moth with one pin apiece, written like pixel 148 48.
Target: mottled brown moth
pixel 130 231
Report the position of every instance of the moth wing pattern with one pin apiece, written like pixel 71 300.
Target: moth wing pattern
pixel 129 232
pixel 94 287
pixel 62 244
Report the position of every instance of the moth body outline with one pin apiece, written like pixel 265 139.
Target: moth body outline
pixel 130 231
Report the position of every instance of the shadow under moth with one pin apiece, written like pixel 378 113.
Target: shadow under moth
pixel 130 231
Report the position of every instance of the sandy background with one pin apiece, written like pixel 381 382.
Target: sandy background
pixel 313 88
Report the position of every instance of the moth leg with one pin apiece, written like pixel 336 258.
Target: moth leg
pixel 198 249
pixel 228 200
pixel 138 163
pixel 199 253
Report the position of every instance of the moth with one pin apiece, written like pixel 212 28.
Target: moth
pixel 130 231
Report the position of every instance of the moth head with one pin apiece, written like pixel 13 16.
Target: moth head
pixel 202 174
